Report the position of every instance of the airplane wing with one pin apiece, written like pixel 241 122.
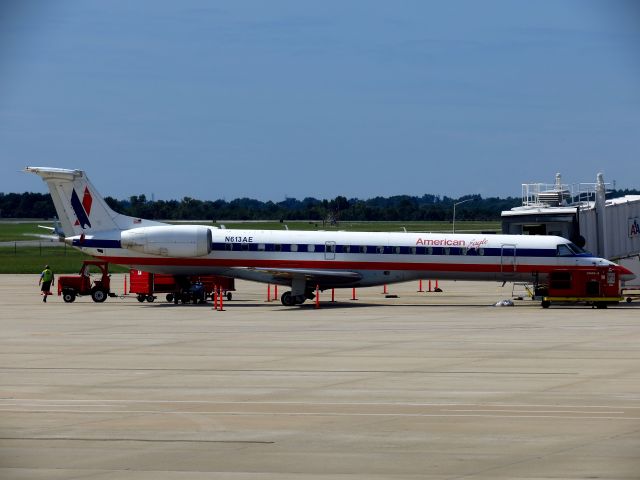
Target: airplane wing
pixel 311 275
pixel 53 238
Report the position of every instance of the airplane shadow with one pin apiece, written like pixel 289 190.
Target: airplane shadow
pixel 236 304
pixel 357 304
pixel 351 304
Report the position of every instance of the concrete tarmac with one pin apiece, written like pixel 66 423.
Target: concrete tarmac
pixel 426 385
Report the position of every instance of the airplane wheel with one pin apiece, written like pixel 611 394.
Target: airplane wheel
pixel 229 296
pixel 98 295
pixel 169 297
pixel 545 303
pixel 69 296
pixel 299 299
pixel 150 298
pixel 287 299
pixel 140 297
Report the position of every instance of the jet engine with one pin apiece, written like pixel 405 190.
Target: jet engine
pixel 169 241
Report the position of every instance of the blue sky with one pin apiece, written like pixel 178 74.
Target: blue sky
pixel 267 99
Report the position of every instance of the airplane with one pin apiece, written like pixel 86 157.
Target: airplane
pixel 302 260
pixel 55 232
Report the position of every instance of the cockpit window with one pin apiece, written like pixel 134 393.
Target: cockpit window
pixel 576 249
pixel 569 250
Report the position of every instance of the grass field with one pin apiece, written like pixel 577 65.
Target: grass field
pixel 444 227
pixel 27 230
pixel 17 258
pixel 11 231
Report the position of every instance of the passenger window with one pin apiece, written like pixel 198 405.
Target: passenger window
pixel 228 246
pixel 277 247
pixel 261 247
pixel 294 247
pixel 245 247
pixel 346 248
pixel 481 251
pixel 311 248
pixel 446 251
pixel 380 249
pixel 363 249
pixel 397 250
pixel 414 250
pixel 428 251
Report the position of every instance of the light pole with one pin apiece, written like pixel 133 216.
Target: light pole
pixel 454 212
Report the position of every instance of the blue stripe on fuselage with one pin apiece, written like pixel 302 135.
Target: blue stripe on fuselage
pixel 386 250
pixel 96 243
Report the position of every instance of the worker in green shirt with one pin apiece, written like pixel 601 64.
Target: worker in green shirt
pixel 46 280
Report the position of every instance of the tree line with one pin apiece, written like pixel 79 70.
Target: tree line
pixel 395 208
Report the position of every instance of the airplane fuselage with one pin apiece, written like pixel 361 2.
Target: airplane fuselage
pixel 372 257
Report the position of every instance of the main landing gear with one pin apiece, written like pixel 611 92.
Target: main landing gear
pixel 289 300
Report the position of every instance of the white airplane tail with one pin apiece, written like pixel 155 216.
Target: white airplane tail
pixel 81 209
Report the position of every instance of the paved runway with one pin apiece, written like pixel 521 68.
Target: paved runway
pixel 427 385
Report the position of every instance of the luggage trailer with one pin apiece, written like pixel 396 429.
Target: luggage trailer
pixel 178 289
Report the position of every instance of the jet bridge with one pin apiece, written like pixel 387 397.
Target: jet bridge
pixel 609 228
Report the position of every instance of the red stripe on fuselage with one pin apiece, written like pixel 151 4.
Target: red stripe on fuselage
pixel 338 265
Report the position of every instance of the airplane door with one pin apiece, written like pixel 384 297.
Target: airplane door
pixel 329 250
pixel 508 265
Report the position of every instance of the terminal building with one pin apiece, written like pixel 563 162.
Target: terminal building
pixel 609 228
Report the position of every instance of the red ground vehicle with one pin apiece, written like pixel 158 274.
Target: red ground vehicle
pixel 183 289
pixel 71 286
pixel 598 287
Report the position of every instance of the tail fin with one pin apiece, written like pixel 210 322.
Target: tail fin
pixel 81 209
